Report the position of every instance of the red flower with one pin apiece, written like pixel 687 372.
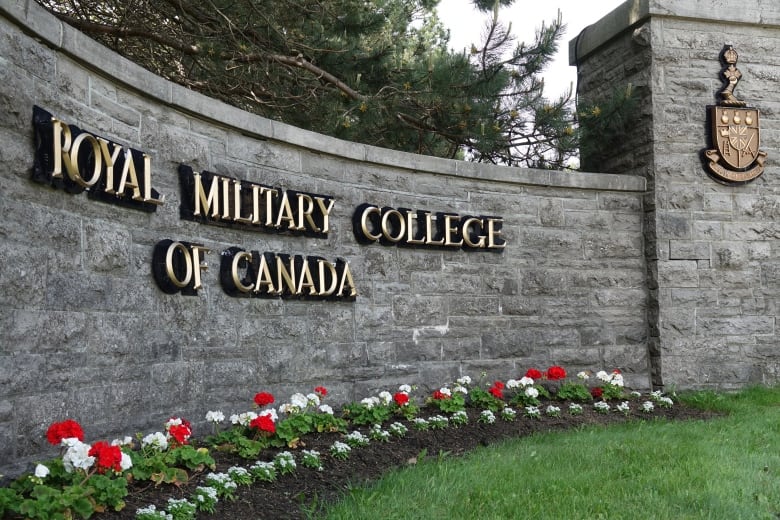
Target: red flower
pixel 401 398
pixel 179 429
pixel 264 398
pixel 64 430
pixel 533 373
pixel 616 371
pixel 321 391
pixel 264 423
pixel 499 385
pixel 596 392
pixel 439 395
pixel 496 392
pixel 106 456
pixel 555 372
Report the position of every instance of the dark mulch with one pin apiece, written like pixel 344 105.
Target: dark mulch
pixel 308 489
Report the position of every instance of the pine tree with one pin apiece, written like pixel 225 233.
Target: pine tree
pixel 373 71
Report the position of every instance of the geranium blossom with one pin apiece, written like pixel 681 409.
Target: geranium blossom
pixel 63 430
pixel 126 441
pixel 107 457
pixel 41 471
pixel 156 440
pixel 464 380
pixel 401 398
pixel 531 392
pixel 369 402
pixel 77 455
pixel 441 394
pixel 513 383
pixel 243 419
pixel 312 399
pixel 405 388
pixel 584 376
pixel 324 408
pixel 555 373
pixel 596 392
pixel 386 397
pixel 533 373
pixel 179 430
pixel 215 417
pixel 299 401
pixel 497 390
pixel 263 398
pixel 321 391
pixel 264 423
pixel 526 381
pixel 270 412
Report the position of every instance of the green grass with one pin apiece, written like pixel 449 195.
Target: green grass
pixel 725 468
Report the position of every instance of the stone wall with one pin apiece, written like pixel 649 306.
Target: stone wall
pixel 86 333
pixel 712 249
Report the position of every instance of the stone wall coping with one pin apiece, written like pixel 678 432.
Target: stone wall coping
pixel 42 25
pixel 634 12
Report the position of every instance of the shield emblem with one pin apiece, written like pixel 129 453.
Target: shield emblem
pixel 736 134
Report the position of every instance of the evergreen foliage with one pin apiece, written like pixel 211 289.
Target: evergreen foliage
pixel 373 71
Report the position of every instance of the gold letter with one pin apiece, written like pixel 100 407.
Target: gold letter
pixel 210 202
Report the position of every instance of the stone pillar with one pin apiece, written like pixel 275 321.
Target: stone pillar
pixel 712 248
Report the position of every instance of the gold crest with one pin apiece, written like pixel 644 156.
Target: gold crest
pixel 735 131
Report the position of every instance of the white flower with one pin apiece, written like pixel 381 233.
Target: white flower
pixel 313 399
pixel 575 409
pixel 665 402
pixel 656 395
pixel 602 375
pixel 553 411
pixel 616 379
pixel 385 397
pixel 623 407
pixel 356 439
pixel 602 407
pixel 41 471
pixel 487 416
pixel 77 457
pixel 69 441
pixel 243 419
pixel 156 440
pixel 445 391
pixel 647 407
pixel 460 389
pixel 532 411
pixel 324 408
pixel 512 384
pixel 215 417
pixel 531 392
pixel 405 388
pixel 584 376
pixel 464 381
pixel 299 401
pixel 127 441
pixel 125 462
pixel 636 394
pixel 459 417
pixel 526 381
pixel 369 402
pixel 173 421
pixel 398 429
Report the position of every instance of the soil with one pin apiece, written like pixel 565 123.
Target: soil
pixel 290 496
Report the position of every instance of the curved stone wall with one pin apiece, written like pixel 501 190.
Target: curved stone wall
pixel 108 213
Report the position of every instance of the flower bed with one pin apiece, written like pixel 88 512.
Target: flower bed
pixel 303 448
